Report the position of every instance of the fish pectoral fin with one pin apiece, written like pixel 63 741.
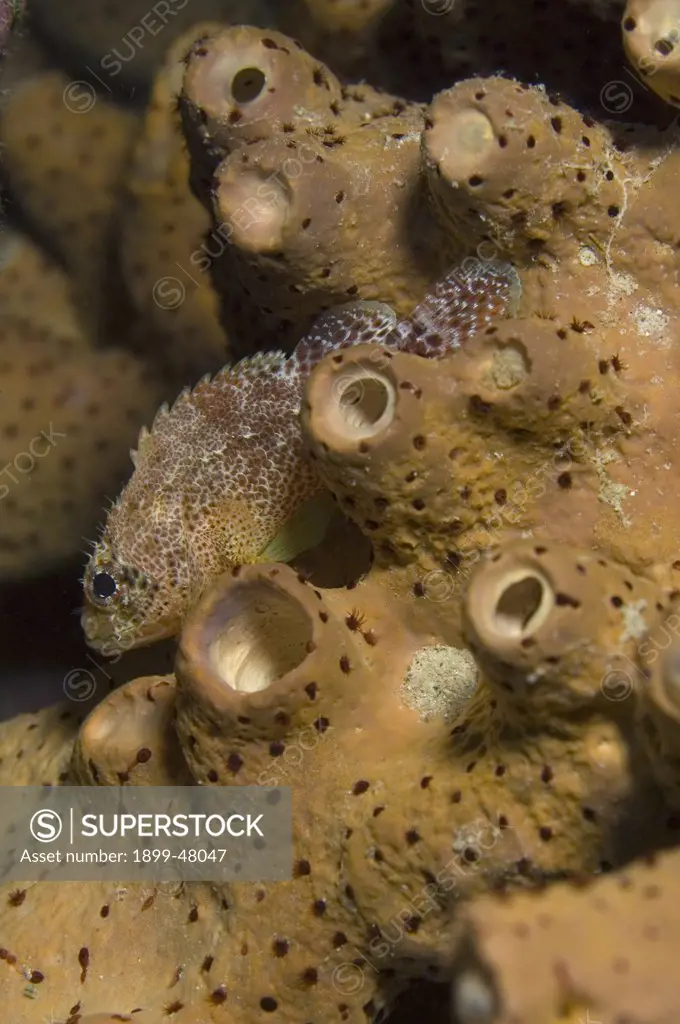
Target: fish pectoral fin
pixel 305 529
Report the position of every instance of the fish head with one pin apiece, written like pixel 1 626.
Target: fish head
pixel 132 594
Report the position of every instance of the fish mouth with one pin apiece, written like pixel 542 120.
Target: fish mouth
pixel 102 635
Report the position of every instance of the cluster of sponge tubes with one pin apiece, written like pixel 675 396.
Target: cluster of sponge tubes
pixel 321 193
pixel 562 762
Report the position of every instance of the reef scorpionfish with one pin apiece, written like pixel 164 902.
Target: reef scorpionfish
pixel 223 477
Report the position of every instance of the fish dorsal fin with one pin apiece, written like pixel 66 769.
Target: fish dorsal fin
pixel 262 363
pixel 161 415
pixel 136 453
pixel 250 368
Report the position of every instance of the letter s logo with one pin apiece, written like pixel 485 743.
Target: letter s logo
pixel 46 826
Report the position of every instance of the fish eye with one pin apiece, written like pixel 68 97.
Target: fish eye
pixel 104 586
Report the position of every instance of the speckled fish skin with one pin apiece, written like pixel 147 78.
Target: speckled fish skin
pixel 222 472
pixel 457 307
